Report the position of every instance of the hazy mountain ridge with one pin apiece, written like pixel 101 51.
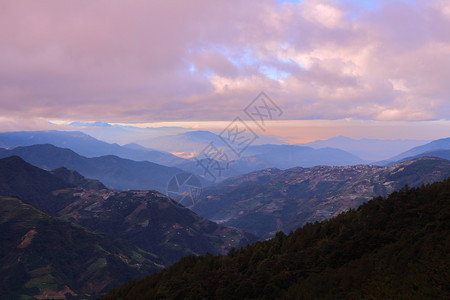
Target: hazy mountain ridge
pixel 125 134
pixel 420 151
pixel 271 200
pixel 115 172
pixel 367 149
pixel 84 145
pixel 289 156
pixel 444 154
pixel 191 143
pixel 258 157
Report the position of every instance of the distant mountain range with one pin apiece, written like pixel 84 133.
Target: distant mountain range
pixel 271 200
pixel 115 172
pixel 44 255
pixel 268 156
pixel 124 134
pixel 367 149
pixel 85 145
pixel 433 148
pixel 255 157
pixel 337 151
pixel 445 154
pixel 186 144
pixel 191 143
pixel 288 156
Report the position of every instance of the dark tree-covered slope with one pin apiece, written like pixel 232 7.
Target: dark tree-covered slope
pixel 75 178
pixel 394 248
pixel 152 221
pixel 33 185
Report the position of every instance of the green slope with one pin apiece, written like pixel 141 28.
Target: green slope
pixel 42 255
pixel 146 219
pixel 151 221
pixel 394 248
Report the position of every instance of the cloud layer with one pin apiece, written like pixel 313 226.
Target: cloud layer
pixel 145 61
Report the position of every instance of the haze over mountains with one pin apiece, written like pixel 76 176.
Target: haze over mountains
pixel 255 157
pixel 124 134
pixel 115 172
pixel 433 147
pixel 445 154
pixel 187 143
pixel 84 144
pixel 367 149
pixel 340 150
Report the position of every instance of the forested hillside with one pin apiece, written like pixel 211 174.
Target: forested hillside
pixel 394 248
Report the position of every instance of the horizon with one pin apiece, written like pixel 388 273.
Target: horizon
pixel 187 143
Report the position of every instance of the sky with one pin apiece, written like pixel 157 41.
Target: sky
pixel 365 68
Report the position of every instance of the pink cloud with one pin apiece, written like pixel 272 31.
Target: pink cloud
pixel 146 61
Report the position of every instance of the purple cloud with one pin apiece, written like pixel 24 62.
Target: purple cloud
pixel 146 61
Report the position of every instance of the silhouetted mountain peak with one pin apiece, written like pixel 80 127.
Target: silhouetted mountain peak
pixel 14 160
pixel 75 178
pixel 83 144
pixel 31 184
pixel 46 147
pixel 136 146
pixel 199 133
pixel 440 144
pixel 115 172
